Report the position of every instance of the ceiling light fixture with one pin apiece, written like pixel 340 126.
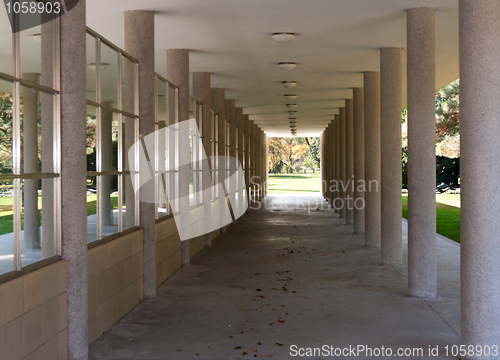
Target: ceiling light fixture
pixel 292 112
pixel 287 65
pixel 291 106
pixel 290 96
pixel 289 84
pixel 283 37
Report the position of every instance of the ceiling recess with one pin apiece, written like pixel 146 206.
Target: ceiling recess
pixel 289 84
pixel 287 65
pixel 290 96
pixel 283 37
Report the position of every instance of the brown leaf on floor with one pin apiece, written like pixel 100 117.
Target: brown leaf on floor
pixel 257 274
pixel 337 256
pixel 259 343
pixel 255 349
pixel 284 289
pixel 281 321
pixel 258 290
pixel 280 344
pixel 244 353
pixel 230 336
pixel 237 347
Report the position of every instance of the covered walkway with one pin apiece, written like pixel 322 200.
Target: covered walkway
pixel 288 274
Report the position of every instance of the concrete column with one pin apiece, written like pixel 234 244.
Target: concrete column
pixel 479 132
pixel 258 162
pixel 322 162
pixel 74 176
pixel 178 74
pixel 342 173
pixel 336 171
pixel 325 163
pixel 372 158
pixel 390 135
pixel 241 180
pixel 251 134
pixel 201 92
pixel 421 153
pixel 349 204
pixel 139 42
pixel 267 164
pixel 30 163
pixel 263 163
pixel 331 160
pixel 246 139
pixel 47 109
pixel 231 122
pixel 106 164
pixel 218 96
pixel 359 159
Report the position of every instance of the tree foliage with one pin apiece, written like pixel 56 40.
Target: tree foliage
pixel 287 155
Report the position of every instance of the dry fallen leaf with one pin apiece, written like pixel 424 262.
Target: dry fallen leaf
pixel 237 347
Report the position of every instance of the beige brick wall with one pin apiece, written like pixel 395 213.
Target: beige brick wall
pixel 115 273
pixel 168 250
pixel 33 315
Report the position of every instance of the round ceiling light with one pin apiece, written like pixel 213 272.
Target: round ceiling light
pixel 283 37
pixel 291 106
pixel 289 84
pixel 292 112
pixel 290 96
pixel 287 65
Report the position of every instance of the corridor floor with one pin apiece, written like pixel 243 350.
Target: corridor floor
pixel 289 274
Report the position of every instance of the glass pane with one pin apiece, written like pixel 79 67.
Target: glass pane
pixel 109 140
pixel 91 140
pixel 128 85
pixel 6 48
pixel 91 68
pixel 109 205
pixel 129 202
pixel 161 102
pixel 91 209
pixel 37 51
pixel 37 128
pixel 6 226
pixel 109 76
pixel 38 239
pixel 6 127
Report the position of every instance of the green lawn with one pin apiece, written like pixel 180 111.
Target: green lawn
pixel 447 215
pixel 7 203
pixel 294 183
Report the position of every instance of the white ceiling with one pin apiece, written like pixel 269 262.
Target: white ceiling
pixel 337 40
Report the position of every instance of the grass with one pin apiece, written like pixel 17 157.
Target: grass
pixel 447 216
pixel 7 219
pixel 294 183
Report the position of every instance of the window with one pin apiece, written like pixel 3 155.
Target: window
pixel 29 145
pixel 196 147
pixel 167 147
pixel 112 127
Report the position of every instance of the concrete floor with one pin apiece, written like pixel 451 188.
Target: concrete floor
pixel 288 274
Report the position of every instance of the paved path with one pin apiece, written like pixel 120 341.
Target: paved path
pixel 287 274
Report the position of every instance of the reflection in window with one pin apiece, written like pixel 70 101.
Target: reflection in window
pixel 29 143
pixel 112 128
